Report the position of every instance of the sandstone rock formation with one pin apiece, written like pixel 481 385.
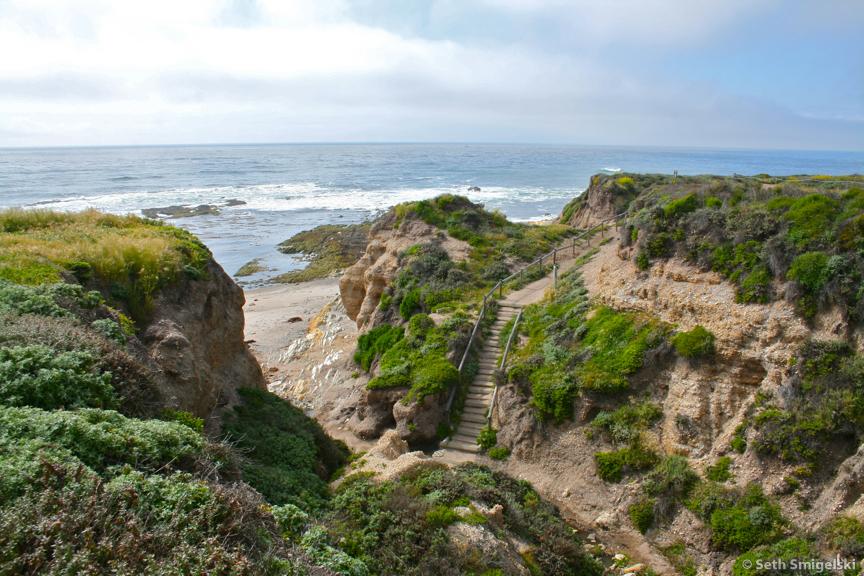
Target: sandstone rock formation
pixel 195 337
pixel 363 283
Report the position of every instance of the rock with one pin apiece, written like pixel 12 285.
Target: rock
pixel 195 336
pixel 417 422
pixel 495 515
pixel 362 284
pixel 390 445
pixel 294 319
pixel 479 542
pixel 374 413
pixel 473 189
pixel 634 569
pixel 234 202
pixel 181 211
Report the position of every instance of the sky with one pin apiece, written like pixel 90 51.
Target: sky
pixel 713 73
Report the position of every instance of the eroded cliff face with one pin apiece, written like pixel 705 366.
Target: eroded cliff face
pixel 363 283
pixel 195 339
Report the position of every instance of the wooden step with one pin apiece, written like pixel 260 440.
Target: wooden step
pixel 475 419
pixel 479 396
pixel 472 427
pixel 461 447
pixel 470 430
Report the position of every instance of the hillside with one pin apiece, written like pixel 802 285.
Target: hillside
pixel 136 436
pixel 708 364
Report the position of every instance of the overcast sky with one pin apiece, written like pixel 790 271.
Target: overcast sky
pixel 720 73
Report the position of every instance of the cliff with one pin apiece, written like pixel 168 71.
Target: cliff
pixel 691 372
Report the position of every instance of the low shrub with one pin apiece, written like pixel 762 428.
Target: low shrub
pixel 696 343
pixel 498 452
pixel 641 514
pixel 672 478
pixel 287 456
pixel 626 423
pixel 845 535
pixel 719 471
pixel 752 520
pixel 792 555
pixel 375 343
pixel 44 378
pixel 611 466
pixel 487 438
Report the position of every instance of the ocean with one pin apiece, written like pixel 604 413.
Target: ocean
pixel 267 193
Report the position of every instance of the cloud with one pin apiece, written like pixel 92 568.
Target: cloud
pixel 114 71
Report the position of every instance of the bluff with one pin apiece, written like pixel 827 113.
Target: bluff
pixel 691 390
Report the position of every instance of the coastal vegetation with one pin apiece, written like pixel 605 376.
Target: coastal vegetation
pixel 328 249
pixel 126 258
pixel 99 472
pixel 759 232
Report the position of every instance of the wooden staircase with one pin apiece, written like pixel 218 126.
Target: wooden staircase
pixel 479 396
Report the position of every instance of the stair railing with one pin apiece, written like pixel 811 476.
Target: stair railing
pixel 499 287
pixel 513 331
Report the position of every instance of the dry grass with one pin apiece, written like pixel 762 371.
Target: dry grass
pixel 126 256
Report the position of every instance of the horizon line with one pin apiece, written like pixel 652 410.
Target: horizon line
pixel 430 143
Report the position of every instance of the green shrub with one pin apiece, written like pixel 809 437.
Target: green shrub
pixel 410 304
pixel 672 478
pixel 185 418
pixel 761 561
pixel 441 516
pixel 101 438
pixel 433 376
pixel 498 452
pixel 845 535
pixel 755 288
pixel 552 394
pixel 719 471
pixel 811 272
pixel 641 514
pixel 139 524
pixel 46 300
pixel 752 521
pixel 626 423
pixel 611 466
pixel 288 456
pixel 110 330
pixel 811 219
pixel 292 521
pixel 825 407
pixel 696 343
pixel 618 342
pixel 642 261
pixel 681 206
pixel 41 377
pixel 739 441
pixel 376 342
pixel 487 438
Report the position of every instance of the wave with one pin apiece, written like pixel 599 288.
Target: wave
pixel 304 196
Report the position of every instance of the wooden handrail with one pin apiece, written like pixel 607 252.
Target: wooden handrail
pixel 489 296
pixel 514 330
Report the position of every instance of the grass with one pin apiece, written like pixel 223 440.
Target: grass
pixel 127 258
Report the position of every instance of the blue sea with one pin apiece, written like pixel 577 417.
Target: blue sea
pixel 279 190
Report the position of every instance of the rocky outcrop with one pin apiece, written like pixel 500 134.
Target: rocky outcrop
pixel 195 337
pixel 363 283
pixel 605 197
pixel 754 342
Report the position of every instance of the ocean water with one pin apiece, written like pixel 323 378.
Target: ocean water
pixel 288 188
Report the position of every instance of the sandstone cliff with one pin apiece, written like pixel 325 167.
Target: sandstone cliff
pixel 363 283
pixel 195 340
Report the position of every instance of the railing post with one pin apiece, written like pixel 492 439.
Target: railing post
pixel 554 276
pixel 554 257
